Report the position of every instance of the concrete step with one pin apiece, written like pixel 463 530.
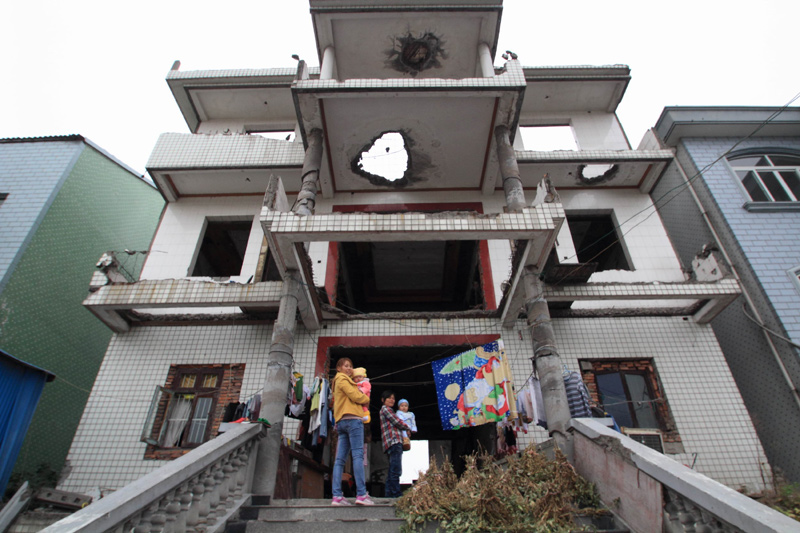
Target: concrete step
pixel 316 516
pixel 316 513
pixel 319 516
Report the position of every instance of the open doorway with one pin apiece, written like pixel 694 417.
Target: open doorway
pixel 406 370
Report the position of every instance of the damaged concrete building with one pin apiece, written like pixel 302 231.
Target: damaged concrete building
pixel 280 255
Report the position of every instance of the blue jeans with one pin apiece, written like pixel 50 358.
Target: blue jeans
pixel 351 438
pixel 395 453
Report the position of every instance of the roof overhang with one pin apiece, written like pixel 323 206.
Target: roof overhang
pixel 262 100
pixel 573 88
pixel 186 165
pixel 365 35
pixel 676 123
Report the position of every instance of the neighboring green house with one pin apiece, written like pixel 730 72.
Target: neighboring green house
pixel 64 201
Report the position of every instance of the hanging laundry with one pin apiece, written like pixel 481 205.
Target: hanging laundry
pixel 296 410
pixel 315 421
pixel 537 402
pixel 577 395
pixel 253 407
pixel 475 387
pixel 297 383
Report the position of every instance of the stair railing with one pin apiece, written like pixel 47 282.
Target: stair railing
pixel 194 493
pixel 633 479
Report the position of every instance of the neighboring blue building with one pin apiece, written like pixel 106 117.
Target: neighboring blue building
pixel 740 166
pixel 21 387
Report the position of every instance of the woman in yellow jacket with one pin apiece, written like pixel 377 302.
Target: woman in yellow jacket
pixel 348 413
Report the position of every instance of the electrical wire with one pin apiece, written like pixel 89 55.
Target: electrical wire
pixel 765 328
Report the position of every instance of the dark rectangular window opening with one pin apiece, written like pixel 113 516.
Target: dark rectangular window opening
pixel 597 240
pixel 3 197
pixel 222 249
pixel 422 276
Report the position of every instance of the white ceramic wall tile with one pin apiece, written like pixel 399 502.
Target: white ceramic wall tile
pixel 705 403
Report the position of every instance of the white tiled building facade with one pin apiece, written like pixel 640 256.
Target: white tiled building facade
pixel 220 172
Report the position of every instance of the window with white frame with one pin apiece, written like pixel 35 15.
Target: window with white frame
pixel 794 274
pixel 769 177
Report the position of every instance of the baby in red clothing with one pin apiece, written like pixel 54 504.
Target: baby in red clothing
pixel 363 384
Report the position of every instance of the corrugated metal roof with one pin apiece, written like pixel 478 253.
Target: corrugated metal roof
pixel 50 375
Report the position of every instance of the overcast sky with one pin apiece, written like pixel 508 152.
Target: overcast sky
pixel 97 68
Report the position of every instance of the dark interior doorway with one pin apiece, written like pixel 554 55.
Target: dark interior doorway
pixel 407 372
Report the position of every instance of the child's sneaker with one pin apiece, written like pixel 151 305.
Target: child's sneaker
pixel 364 500
pixel 339 500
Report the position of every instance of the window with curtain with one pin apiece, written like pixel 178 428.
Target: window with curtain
pixel 182 413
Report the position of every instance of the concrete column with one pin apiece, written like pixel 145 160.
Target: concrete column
pixel 485 59
pixel 307 197
pixel 276 385
pixel 509 170
pixel 328 61
pixel 546 360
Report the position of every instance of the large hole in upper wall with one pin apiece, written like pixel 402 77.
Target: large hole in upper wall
pixel 386 159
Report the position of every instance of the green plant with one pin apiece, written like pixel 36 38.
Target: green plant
pixel 532 494
pixel 785 499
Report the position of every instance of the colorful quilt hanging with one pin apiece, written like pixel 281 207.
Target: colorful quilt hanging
pixel 475 387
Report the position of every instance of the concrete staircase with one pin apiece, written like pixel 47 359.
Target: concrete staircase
pixel 317 516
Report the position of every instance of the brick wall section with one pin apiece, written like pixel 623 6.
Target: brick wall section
pixel 670 430
pixel 229 391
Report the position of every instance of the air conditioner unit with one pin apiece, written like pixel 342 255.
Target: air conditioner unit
pixel 649 437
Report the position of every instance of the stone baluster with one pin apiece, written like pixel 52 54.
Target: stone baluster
pixel 223 477
pixel 130 524
pixel 193 515
pixel 159 520
pixel 240 462
pixel 177 510
pixel 212 489
pixel 204 509
pixel 170 507
pixel 145 524
pixel 683 516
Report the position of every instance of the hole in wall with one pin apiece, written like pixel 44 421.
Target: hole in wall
pixel 593 174
pixel 414 53
pixel 385 159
